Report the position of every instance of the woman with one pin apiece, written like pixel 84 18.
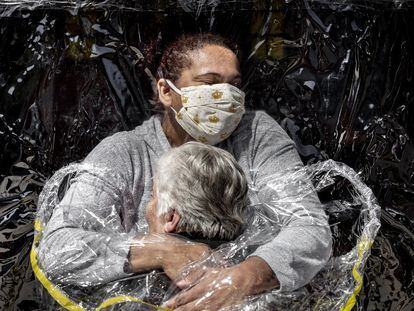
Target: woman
pixel 198 90
pixel 209 197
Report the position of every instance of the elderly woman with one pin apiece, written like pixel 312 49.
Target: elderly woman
pixel 200 191
pixel 198 89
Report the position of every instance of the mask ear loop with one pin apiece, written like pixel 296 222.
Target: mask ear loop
pixel 171 85
pixel 175 89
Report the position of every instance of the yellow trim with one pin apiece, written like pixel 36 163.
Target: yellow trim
pixel 119 299
pixel 60 296
pixel 38 226
pixel 363 246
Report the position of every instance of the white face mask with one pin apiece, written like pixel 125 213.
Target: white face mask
pixel 210 113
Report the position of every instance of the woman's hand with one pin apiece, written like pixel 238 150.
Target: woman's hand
pixel 180 254
pixel 164 251
pixel 221 287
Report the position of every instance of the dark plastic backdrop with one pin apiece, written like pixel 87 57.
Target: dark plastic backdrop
pixel 337 76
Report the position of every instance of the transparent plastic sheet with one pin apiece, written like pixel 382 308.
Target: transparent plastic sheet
pixel 337 77
pixel 192 6
pixel 334 288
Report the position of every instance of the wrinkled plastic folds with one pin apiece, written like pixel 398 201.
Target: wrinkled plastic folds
pixel 332 289
pixel 337 75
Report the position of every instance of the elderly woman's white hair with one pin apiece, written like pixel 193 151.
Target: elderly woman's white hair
pixel 206 186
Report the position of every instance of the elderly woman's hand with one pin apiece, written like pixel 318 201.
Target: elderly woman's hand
pixel 221 287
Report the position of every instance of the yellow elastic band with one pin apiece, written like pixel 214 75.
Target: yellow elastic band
pixel 38 225
pixel 362 247
pixel 61 297
pixel 119 299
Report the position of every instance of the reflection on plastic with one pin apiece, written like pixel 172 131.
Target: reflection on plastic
pixel 335 287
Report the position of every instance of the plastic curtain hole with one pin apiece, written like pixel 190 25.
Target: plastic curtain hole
pixel 354 221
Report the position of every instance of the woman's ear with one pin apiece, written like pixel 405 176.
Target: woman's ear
pixel 164 93
pixel 172 221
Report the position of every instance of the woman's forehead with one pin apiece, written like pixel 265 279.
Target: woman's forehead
pixel 214 59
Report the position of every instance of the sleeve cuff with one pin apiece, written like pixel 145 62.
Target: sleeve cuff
pixel 280 265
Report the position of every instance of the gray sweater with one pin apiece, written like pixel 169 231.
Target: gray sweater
pixel 86 241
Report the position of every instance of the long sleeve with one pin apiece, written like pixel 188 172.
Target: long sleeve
pixel 84 242
pixel 303 245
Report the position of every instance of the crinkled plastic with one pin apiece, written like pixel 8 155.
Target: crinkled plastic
pixel 337 75
pixel 354 219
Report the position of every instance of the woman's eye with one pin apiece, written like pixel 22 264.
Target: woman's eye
pixel 236 84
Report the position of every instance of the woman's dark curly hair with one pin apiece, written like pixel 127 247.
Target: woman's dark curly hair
pixel 176 56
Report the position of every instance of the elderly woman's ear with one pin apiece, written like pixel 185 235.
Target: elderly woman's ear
pixel 171 222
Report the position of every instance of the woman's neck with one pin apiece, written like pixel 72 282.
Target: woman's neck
pixel 173 131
